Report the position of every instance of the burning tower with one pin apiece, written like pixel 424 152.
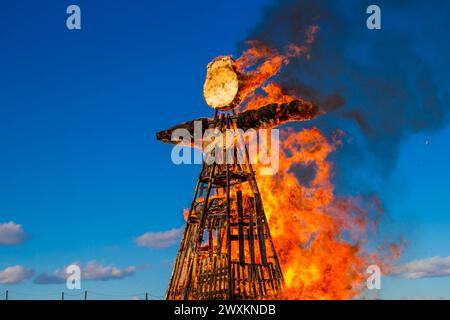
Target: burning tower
pixel 226 251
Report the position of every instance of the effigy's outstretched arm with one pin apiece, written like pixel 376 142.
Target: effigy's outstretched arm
pixel 266 117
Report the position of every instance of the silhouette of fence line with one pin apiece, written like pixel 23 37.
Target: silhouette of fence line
pixel 83 295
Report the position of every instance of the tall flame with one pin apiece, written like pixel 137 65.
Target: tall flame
pixel 260 62
pixel 321 239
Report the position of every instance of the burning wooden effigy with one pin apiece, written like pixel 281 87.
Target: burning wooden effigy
pixel 226 251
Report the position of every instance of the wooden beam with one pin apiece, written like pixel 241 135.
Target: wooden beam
pixel 240 228
pixel 269 116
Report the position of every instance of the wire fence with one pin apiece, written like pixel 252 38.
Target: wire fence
pixel 83 295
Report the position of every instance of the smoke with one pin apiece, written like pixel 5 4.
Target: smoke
pixel 379 86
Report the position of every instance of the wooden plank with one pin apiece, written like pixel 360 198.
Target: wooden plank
pixel 229 245
pixel 244 281
pixel 260 225
pixel 208 278
pixel 254 275
pixel 219 236
pixel 259 280
pixel 239 279
pixel 252 286
pixel 268 116
pixel 240 227
pixel 214 274
pixel 271 276
pixel 210 236
pixel 250 236
pixel 263 278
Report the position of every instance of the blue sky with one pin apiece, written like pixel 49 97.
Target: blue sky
pixel 82 172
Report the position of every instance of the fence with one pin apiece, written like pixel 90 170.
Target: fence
pixel 83 295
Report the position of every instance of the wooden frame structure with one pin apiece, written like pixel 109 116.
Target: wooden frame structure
pixel 226 251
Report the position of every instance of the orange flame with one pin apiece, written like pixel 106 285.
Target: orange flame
pixel 320 239
pixel 260 62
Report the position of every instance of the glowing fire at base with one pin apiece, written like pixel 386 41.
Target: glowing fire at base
pixel 320 239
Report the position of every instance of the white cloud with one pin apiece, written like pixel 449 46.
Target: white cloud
pixel 95 271
pixel 11 233
pixel 15 274
pixel 159 239
pixel 91 271
pixel 425 268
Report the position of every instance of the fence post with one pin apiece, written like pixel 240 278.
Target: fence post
pixel 62 295
pixel 85 295
pixel 146 296
pixel 6 295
